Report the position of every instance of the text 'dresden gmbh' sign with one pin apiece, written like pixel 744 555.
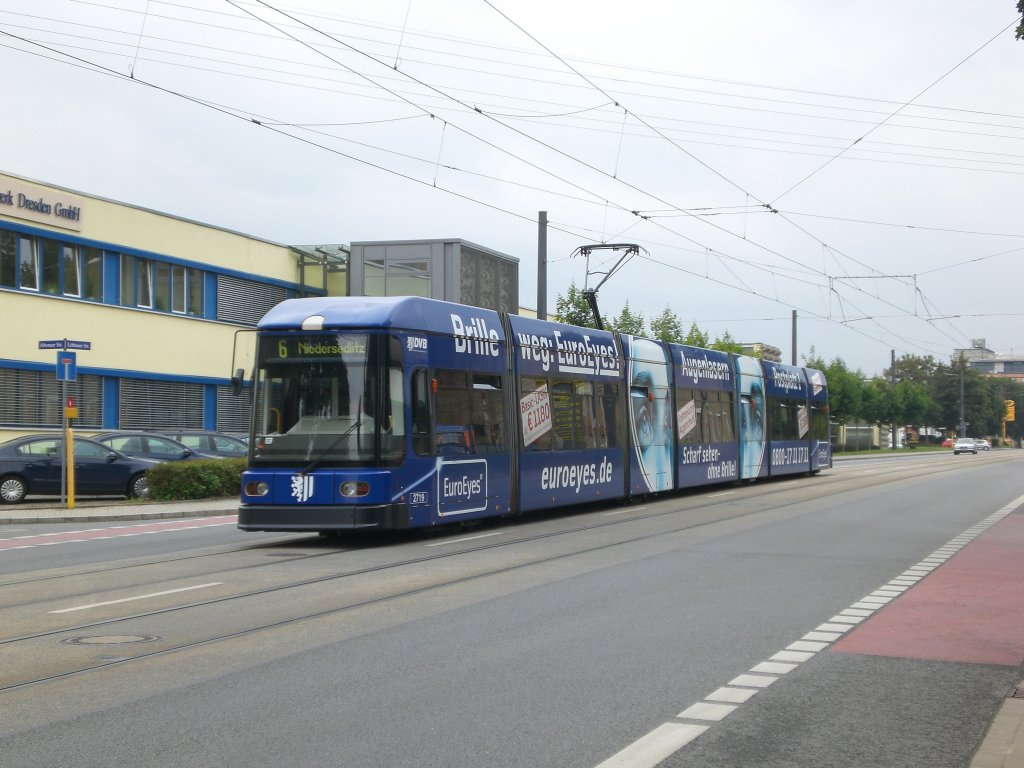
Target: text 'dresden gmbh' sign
pixel 22 200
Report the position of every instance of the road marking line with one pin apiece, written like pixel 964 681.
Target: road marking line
pixel 803 645
pixel 773 667
pixel 873 598
pixel 753 681
pixel 723 493
pixel 732 695
pixel 464 538
pixel 837 628
pixel 649 750
pixel 827 637
pixel 705 711
pixel 797 656
pixel 847 619
pixel 138 597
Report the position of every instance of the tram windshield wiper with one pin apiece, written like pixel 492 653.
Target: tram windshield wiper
pixel 334 443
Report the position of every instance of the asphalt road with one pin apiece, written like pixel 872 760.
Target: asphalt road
pixel 619 636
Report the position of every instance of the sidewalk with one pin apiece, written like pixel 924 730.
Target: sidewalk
pixel 93 511
pixel 1003 746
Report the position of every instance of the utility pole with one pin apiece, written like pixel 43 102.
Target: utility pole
pixel 794 337
pixel 963 426
pixel 892 379
pixel 542 265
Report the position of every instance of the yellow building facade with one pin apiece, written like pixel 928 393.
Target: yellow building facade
pixel 161 302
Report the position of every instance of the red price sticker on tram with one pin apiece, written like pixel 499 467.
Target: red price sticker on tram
pixel 535 408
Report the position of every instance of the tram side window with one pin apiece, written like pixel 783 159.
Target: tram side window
pixel 710 412
pixel 582 414
pixel 784 418
pixel 819 421
pixel 469 413
pixel 720 417
pixel 420 409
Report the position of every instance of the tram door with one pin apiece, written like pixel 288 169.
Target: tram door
pixel 464 433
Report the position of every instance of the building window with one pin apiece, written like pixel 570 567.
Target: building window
pixel 374 281
pixel 396 277
pixel 127 281
pixel 144 283
pixel 195 293
pixel 147 404
pixel 72 274
pixel 161 286
pixel 8 259
pixel 178 289
pixel 233 410
pixel 33 399
pixel 50 255
pixel 92 271
pixel 158 285
pixel 245 301
pixel 136 282
pixel 408 277
pixel 28 265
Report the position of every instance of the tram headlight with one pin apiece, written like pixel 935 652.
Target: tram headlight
pixel 257 488
pixel 351 489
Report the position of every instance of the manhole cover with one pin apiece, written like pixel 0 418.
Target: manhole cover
pixel 110 639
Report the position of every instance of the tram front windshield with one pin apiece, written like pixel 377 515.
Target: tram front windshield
pixel 328 400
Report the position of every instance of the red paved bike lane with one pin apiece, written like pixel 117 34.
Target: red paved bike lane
pixel 970 609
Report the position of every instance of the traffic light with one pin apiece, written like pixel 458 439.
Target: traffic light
pixel 1011 411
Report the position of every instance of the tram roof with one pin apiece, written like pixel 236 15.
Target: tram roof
pixel 408 312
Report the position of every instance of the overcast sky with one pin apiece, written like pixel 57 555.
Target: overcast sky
pixel 861 163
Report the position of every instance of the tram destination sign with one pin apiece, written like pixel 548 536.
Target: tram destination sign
pixel 64 344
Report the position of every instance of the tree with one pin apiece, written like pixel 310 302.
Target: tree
pixel 574 309
pixel 1020 27
pixel 667 327
pixel 627 322
pixel 945 391
pixel 913 402
pixel 726 343
pixel 697 338
pixel 912 368
pixel 813 360
pixel 847 397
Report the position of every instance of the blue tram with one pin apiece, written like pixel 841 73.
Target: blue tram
pixel 404 412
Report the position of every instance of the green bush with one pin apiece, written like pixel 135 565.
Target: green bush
pixel 177 480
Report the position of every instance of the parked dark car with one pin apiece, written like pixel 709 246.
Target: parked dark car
pixel 32 465
pixel 148 445
pixel 211 443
